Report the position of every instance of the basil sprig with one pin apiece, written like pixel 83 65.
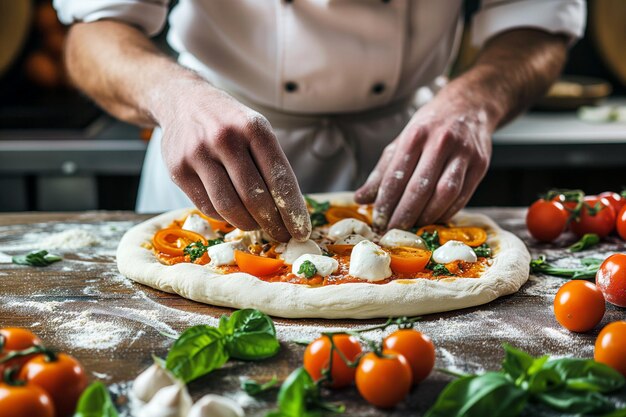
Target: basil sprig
pixel 252 387
pixel 318 213
pixel 566 385
pixel 483 251
pixel 431 239
pixel 246 334
pixel 95 401
pixel 195 250
pixel 588 240
pixel 308 269
pixel 588 270
pixel 36 258
pixel 300 396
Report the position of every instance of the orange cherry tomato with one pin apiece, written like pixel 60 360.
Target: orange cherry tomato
pixel 367 210
pixel 611 279
pixel 407 260
pixel 340 250
pixel 431 228
pixel 25 401
pixel 471 236
pixel 61 376
pixel 417 349
pixel 317 358
pixel 15 338
pixel 385 380
pixel 610 346
pixel 546 220
pixel 336 213
pixel 173 240
pixel 579 306
pixel 220 225
pixel 257 265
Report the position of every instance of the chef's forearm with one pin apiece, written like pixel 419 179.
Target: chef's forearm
pixel 512 71
pixel 119 67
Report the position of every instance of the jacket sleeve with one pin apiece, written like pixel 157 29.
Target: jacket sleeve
pixel 147 15
pixel 567 17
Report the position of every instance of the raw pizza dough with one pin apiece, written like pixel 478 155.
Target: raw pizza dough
pixel 404 297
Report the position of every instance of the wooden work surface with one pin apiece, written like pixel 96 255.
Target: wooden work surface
pixel 83 306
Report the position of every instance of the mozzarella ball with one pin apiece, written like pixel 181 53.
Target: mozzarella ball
pixel 397 237
pixel 325 265
pixel 346 227
pixel 195 223
pixel 150 381
pixel 453 250
pixel 215 406
pixel 368 261
pixel 296 249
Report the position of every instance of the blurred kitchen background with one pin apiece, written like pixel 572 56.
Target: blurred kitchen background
pixel 58 151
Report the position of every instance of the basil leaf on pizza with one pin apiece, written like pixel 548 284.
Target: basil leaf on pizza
pixel 249 334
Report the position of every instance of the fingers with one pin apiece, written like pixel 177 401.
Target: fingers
pixel 281 182
pixel 224 197
pixel 472 180
pixel 191 185
pixel 255 196
pixel 368 191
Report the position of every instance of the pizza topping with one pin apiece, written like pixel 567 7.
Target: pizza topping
pixel 338 213
pixel 454 251
pixel 408 260
pixel 350 240
pixel 196 223
pixel 296 249
pixel 306 266
pixel 397 237
pixel 257 265
pixel 347 227
pixel 254 237
pixel 223 253
pixel 173 241
pixel 340 250
pixel 317 211
pixel 368 261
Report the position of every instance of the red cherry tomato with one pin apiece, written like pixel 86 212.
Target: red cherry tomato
pixel 620 224
pixel 417 348
pixel 15 338
pixel 317 357
pixel 615 200
pixel 579 306
pixel 62 377
pixel 546 220
pixel 24 401
pixel 600 219
pixel 610 346
pixel 385 380
pixel 611 279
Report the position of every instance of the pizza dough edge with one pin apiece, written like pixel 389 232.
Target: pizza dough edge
pixel 506 275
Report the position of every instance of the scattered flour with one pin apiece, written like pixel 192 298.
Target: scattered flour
pixel 70 239
pixel 87 331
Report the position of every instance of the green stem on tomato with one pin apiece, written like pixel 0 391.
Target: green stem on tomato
pixel 30 351
pixel 588 240
pixel 451 373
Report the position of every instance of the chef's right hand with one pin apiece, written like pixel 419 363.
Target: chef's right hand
pixel 226 158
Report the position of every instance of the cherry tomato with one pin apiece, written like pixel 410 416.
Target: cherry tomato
pixel 599 219
pixel 611 279
pixel 615 200
pixel 471 236
pixel 341 249
pixel 257 265
pixel 579 306
pixel 620 224
pixel 15 338
pixel 220 225
pixel 546 220
pixel 610 346
pixel 173 240
pixel 408 260
pixel 317 356
pixel 385 380
pixel 417 349
pixel 61 376
pixel 336 213
pixel 24 401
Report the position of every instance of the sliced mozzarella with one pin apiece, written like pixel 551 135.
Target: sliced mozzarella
pixel 195 223
pixel 253 237
pixel 223 253
pixel 172 401
pixel 346 227
pixel 350 240
pixel 368 261
pixel 325 265
pixel 150 381
pixel 296 249
pixel 397 237
pixel 212 405
pixel 453 250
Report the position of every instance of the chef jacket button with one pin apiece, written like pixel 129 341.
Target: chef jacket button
pixel 291 87
pixel 378 88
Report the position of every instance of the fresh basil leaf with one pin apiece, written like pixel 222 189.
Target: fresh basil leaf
pixel 492 394
pixel 36 258
pixel 318 219
pixel 252 387
pixel 544 380
pixel 308 269
pixel 588 270
pixel 296 393
pixel 519 364
pixel 588 240
pixel 431 240
pixel 440 269
pixel 483 251
pixel 576 402
pixel 250 335
pixel 317 206
pixel 195 250
pixel 198 351
pixel 587 375
pixel 95 402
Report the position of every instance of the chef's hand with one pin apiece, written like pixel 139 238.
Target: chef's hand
pixel 430 171
pixel 226 158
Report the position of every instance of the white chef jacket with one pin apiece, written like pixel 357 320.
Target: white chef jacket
pixel 334 77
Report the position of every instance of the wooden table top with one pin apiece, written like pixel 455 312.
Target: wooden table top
pixel 83 306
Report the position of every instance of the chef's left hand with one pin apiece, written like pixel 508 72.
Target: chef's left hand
pixel 430 171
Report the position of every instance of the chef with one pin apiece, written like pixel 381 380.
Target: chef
pixel 268 96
